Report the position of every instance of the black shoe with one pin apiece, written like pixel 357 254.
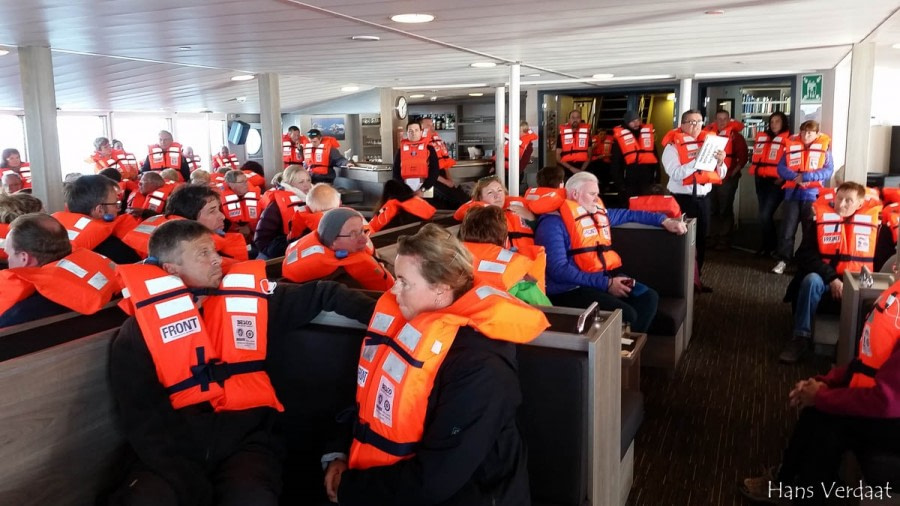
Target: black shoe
pixel 794 350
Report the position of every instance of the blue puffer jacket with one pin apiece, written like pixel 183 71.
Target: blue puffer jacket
pixel 562 273
pixel 822 175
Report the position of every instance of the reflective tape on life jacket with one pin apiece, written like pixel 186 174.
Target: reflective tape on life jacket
pixel 84 231
pixel 139 238
pixel 601 147
pixel 83 281
pixel 230 160
pixel 544 200
pixel 157 199
pixel 170 158
pixel 878 340
pixel 687 148
pixel 195 162
pixel 847 243
pixel 636 151
pixel 288 204
pixel 504 268
pixel 767 151
pixel 292 154
pixel 656 204
pixel 574 142
pixel 445 161
pixel 734 127
pixel 416 206
pixel 317 159
pixel 414 159
pixel 400 360
pixel 802 158
pixel 241 208
pixel 217 357
pixel 308 259
pixel 304 221
pixel 590 238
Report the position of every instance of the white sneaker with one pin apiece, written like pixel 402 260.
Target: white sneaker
pixel 779 267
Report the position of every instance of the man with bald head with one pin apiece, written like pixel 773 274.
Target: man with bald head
pixel 321 197
pixel 152 193
pixel 167 155
pixel 12 183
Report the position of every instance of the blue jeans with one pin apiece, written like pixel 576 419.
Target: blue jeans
pixel 795 211
pixel 811 290
pixel 770 195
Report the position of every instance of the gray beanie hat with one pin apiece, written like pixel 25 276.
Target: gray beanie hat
pixel 331 223
pixel 630 116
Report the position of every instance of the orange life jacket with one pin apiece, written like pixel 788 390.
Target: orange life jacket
pixel 232 246
pixel 688 147
pixel 125 163
pixel 734 127
pixel 802 158
pixel 255 179
pixel 890 217
pixel 574 143
pixel 519 233
pixel 878 339
pixel 445 161
pixel 656 204
pixel 230 160
pixel 83 281
pixel 308 259
pixel 544 200
pixel 524 141
pixel 317 159
pixel 414 159
pixel 590 238
pixel 504 268
pixel 195 162
pixel 288 204
pixel 767 152
pixel 890 195
pixel 292 154
pixel 4 231
pixel 24 172
pixel 601 147
pixel 86 232
pixel 415 206
pixel 847 243
pixel 872 196
pixel 400 360
pixel 166 159
pixel 303 221
pixel 636 151
pixel 157 199
pixel 217 357
pixel 241 209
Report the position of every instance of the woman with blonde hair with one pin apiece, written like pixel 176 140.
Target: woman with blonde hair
pixel 489 191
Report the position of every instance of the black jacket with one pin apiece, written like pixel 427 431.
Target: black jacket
pixel 34 307
pixel 809 260
pixel 184 446
pixel 471 453
pixel 185 168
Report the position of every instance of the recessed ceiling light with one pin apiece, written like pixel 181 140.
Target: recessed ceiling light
pixel 602 76
pixel 715 12
pixel 350 88
pixel 4 52
pixel 367 38
pixel 412 18
pixel 476 94
pixel 532 75
pixel 417 95
pixel 184 48
pixel 433 99
pixel 896 46
pixel 483 65
pixel 243 77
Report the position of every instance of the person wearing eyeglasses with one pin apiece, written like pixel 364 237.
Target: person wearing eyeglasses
pixel 339 250
pixel 91 221
pixel 690 186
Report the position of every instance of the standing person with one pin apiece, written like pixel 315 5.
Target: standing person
pixel 167 155
pixel 11 161
pixel 805 165
pixel 722 203
pixel 445 161
pixel 321 157
pixel 200 442
pixel 445 433
pixel 768 148
pixel 573 144
pixel 416 163
pixel 689 186
pixel 633 157
pixel 526 149
pixel 292 146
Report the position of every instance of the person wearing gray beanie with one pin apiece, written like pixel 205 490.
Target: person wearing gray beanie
pixel 332 222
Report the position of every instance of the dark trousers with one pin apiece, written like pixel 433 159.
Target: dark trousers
pixel 769 194
pixel 446 197
pixel 722 210
pixel 638 311
pixel 817 445
pixel 793 212
pixel 699 208
pixel 639 179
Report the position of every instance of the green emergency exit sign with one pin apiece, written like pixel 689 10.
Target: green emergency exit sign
pixel 811 89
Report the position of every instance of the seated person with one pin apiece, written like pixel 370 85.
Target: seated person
pixel 827 250
pixel 240 203
pixel 218 177
pixel 483 232
pixel 399 205
pixel 447 433
pixel 200 176
pixel 195 442
pixel 11 183
pixel 255 173
pixel 582 267
pixel 151 195
pixel 45 277
pixel 284 201
pixel 338 249
pixel 170 175
pixel 11 207
pixel 549 193
pixel 126 187
pixel 200 204
pixel 92 202
pixel 489 191
pixel 853 408
pixel 321 197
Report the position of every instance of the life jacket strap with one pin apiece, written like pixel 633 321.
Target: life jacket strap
pixel 363 433
pixel 214 371
pixel 375 339
pixel 857 367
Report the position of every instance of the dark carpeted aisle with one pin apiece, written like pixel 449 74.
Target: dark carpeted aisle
pixel 724 415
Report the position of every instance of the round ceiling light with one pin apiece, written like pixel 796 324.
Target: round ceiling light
pixel 243 77
pixel 483 65
pixel 412 18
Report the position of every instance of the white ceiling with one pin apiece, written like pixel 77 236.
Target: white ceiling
pixel 124 54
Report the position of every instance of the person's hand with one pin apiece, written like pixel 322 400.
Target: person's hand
pixel 720 156
pixel 350 164
pixel 617 287
pixel 676 227
pixel 523 212
pixel 806 394
pixel 333 478
pixel 799 180
pixel 792 396
pixel 837 288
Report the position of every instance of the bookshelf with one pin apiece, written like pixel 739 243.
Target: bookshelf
pixel 760 102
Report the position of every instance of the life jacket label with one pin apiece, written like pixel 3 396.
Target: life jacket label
pixel 831 239
pixel 865 342
pixel 245 334
pixel 862 242
pixel 362 374
pixel 179 329
pixel 384 403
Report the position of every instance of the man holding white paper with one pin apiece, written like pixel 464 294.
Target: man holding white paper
pixel 693 170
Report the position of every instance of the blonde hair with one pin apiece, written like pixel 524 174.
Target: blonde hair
pixel 290 173
pixel 442 258
pixel 200 176
pixel 483 183
pixel 13 206
pixel 322 197
pixel 169 174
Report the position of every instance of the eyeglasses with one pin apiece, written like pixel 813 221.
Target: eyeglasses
pixel 692 122
pixel 355 234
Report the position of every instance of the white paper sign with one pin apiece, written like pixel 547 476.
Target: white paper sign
pixel 706 158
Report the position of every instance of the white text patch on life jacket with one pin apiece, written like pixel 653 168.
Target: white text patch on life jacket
pixel 862 242
pixel 362 374
pixel 245 334
pixel 384 402
pixel 831 239
pixel 179 329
